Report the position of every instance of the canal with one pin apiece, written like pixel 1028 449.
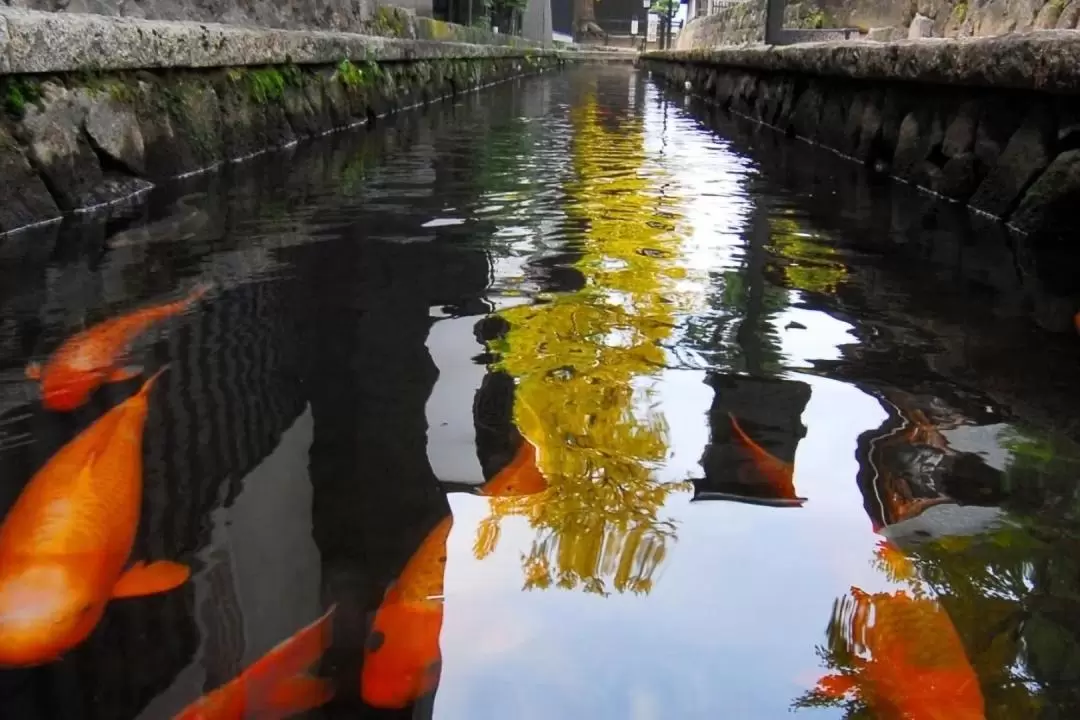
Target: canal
pixel 567 398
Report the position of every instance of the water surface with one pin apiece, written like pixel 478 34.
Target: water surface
pixel 586 266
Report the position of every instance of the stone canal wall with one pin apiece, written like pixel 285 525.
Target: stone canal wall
pixel 743 22
pixel 95 109
pixel 992 123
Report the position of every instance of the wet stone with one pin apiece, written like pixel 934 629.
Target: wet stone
pixel 1049 205
pixel 24 198
pixel 1026 155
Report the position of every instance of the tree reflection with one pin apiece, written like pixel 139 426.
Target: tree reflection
pixel 578 359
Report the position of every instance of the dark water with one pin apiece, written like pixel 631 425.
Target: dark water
pixel 587 265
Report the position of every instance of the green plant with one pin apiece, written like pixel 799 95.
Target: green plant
pixel 815 20
pixel 266 84
pixel 388 21
pixel 1059 4
pixel 18 92
pixel 352 76
pixel 959 11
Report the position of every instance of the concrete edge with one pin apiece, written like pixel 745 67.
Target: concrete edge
pixel 41 42
pixel 1045 60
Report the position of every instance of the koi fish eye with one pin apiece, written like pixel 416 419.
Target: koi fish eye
pixel 375 641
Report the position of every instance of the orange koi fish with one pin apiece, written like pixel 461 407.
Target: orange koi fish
pixel 778 473
pixel 276 685
pixel 521 476
pixel 91 358
pixel 909 662
pixel 402 660
pixel 64 545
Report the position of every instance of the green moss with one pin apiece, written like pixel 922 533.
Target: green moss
pixel 815 20
pixel 17 93
pixel 1059 4
pixel 355 76
pixel 959 12
pixel 266 84
pixel 388 21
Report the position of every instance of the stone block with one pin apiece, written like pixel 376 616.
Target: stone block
pixel 806 115
pixel 1069 16
pixel 959 177
pixel 1026 155
pixel 921 27
pixel 1048 15
pixel 113 128
pixel 884 34
pixel 1049 205
pixel 24 198
pixel 960 133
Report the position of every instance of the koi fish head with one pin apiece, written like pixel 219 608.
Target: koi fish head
pixel 402 660
pixel 66 391
pixel 44 610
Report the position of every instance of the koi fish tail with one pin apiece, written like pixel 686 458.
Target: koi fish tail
pixel 778 472
pixel 744 438
pixel 283 667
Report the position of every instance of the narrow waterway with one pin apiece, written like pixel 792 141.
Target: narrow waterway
pixel 568 398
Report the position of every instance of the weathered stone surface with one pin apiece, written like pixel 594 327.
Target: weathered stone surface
pixel 1069 17
pixel 883 34
pixel 1044 60
pixel 921 27
pixel 1026 155
pixel 998 120
pixel 806 116
pixel 24 199
pixel 739 24
pixel 959 177
pixel 181 124
pixel 56 145
pixel 1049 205
pixel 59 42
pixel 1048 16
pixel 348 15
pixel 960 134
pixel 920 134
pixel 114 130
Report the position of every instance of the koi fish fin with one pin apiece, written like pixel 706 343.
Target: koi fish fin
pixel 836 686
pixel 196 294
pixel 744 438
pixel 33 371
pixel 150 579
pixel 124 374
pixel 150 381
pixel 296 694
pixel 296 654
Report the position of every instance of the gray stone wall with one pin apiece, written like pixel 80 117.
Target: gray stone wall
pixel 988 123
pixel 743 23
pixel 347 15
pixel 955 18
pixel 740 24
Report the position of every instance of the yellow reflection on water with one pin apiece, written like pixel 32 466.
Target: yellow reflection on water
pixel 808 264
pixel 578 359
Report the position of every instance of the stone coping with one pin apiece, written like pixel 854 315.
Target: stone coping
pixel 43 42
pixel 1047 60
